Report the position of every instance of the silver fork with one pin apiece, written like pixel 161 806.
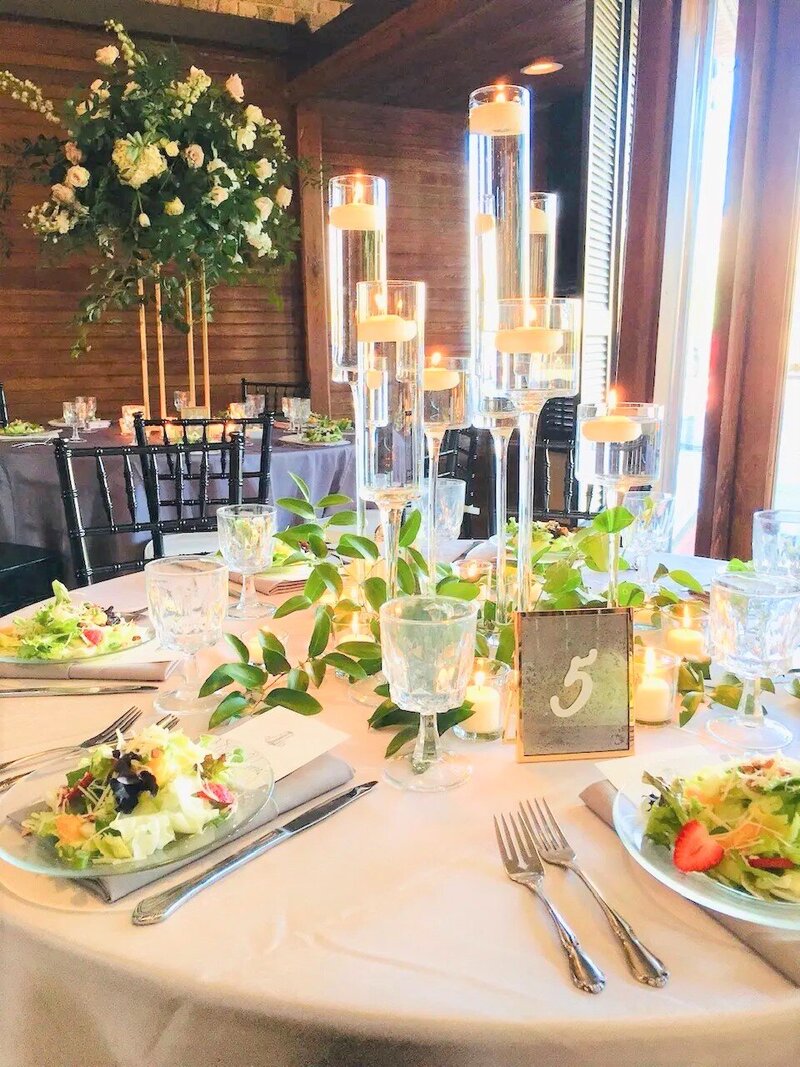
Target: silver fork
pixel 122 723
pixel 555 849
pixel 523 866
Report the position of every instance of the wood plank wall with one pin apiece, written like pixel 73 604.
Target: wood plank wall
pixel 249 335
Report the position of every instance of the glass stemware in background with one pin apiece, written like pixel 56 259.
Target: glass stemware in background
pixel 181 400
pixel 445 407
pixel 299 410
pixel 391 343
pixel 776 543
pixel 187 597
pixel 75 416
pixel 254 405
pixel 246 534
pixel 449 515
pixel 90 407
pixel 649 532
pixel 754 628
pixel 619 446
pixel 428 651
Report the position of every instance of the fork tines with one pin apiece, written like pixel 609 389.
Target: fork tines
pixel 545 827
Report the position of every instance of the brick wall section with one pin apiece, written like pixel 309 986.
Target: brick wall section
pixel 315 12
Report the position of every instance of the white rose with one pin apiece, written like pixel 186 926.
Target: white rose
pixel 235 88
pixel 283 197
pixel 96 85
pixel 63 222
pixel 62 194
pixel 130 87
pixel 171 148
pixel 73 153
pixel 218 195
pixel 264 169
pixel 194 155
pixel 263 206
pixel 107 56
pixel 81 108
pixel 174 206
pixel 215 164
pixel 254 114
pixel 77 177
pixel 144 221
pixel 245 137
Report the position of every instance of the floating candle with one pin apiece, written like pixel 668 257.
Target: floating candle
pixel 611 429
pixel 498 118
pixel 484 223
pixel 540 221
pixel 436 378
pixel 685 641
pixel 382 328
pixel 374 379
pixel 486 715
pixel 523 339
pixel 356 216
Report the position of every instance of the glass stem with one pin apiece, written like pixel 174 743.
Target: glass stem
pixel 190 684
pixel 615 501
pixel 426 749
pixel 500 439
pixel 434 441
pixel 528 425
pixel 751 711
pixel 391 520
pixel 248 593
pixel 358 425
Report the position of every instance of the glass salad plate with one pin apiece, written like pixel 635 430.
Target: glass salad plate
pixel 144 630
pixel 629 822
pixel 254 783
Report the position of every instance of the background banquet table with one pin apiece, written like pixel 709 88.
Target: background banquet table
pixel 31 511
pixel 389 935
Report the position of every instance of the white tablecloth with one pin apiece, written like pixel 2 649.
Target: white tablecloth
pixel 389 935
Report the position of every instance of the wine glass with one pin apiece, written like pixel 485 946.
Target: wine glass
pixel 187 597
pixel 428 648
pixel 776 543
pixel 74 416
pixel 754 628
pixel 90 403
pixel 181 400
pixel 649 532
pixel 449 515
pixel 245 540
pixel 254 405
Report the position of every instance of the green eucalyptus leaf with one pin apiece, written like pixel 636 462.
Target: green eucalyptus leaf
pixel 334 500
pixel 689 705
pixel 448 719
pixel 297 507
pixel 661 572
pixel 293 699
pixel 457 588
pixel 768 685
pixel 314 587
pixel 331 577
pixel 268 640
pixel 317 667
pixel 318 546
pixel 296 535
pixel 247 675
pixel 275 662
pixel 342 518
pixel 506 645
pixel 728 695
pixel 382 690
pixel 405 578
pixel 688 581
pixel 231 707
pixel 295 603
pixel 321 633
pixel 357 547
pixel 481 646
pixel 345 665
pixel 301 485
pixel 410 528
pixel 630 595
pixel 297 678
pixel 360 649
pixel 239 647
pixel 218 679
pixel 418 560
pixel 376 592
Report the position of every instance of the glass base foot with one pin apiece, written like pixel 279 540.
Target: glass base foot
pixel 446 773
pixel 762 736
pixel 363 691
pixel 184 702
pixel 477 735
pixel 258 609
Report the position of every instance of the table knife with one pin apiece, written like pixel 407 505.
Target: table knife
pixel 160 906
pixel 77 690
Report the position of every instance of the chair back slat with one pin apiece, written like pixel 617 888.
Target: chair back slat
pixel 130 491
pixel 105 492
pixel 3 408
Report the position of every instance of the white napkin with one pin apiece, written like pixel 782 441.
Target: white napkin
pixel 145 663
pixel 285 580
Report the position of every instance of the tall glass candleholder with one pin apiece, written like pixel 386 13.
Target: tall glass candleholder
pixel 391 345
pixel 536 349
pixel 445 393
pixel 356 253
pixel 543 221
pixel 619 447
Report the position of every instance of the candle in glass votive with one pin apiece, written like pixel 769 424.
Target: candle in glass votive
pixel 540 221
pixel 237 410
pixel 484 223
pixel 478 571
pixel 611 429
pixel 655 687
pixel 378 329
pixel 486 715
pixel 686 639
pixel 436 378
pixel 498 118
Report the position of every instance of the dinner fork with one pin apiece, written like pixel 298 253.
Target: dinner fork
pixel 554 848
pixel 122 723
pixel 523 866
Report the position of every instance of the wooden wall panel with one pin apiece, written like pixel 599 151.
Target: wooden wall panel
pixel 249 335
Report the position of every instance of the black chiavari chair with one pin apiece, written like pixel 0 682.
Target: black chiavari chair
pixel 256 435
pixel 3 407
pixel 114 496
pixel 274 392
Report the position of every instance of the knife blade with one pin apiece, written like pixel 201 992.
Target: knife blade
pixel 160 906
pixel 76 691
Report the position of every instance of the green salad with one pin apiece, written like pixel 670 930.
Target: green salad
pixel 738 823
pixel 323 429
pixel 20 428
pixel 65 629
pixel 128 800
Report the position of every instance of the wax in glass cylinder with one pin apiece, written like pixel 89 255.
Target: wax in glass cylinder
pixel 445 392
pixel 619 444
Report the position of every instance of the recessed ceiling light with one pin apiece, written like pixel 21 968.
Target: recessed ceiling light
pixel 543 65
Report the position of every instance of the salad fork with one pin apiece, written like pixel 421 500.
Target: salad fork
pixel 523 866
pixel 122 723
pixel 554 849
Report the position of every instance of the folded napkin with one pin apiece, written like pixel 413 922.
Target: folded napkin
pixel 779 948
pixel 285 580
pixel 320 776
pixel 113 669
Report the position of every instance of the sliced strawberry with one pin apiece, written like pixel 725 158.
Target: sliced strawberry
pixel 771 863
pixel 696 849
pixel 218 795
pixel 92 635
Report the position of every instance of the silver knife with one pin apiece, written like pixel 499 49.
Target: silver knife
pixel 76 691
pixel 160 906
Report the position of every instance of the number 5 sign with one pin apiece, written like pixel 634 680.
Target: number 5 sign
pixel 575 684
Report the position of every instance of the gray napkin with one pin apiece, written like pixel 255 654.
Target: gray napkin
pixel 90 670
pixel 778 948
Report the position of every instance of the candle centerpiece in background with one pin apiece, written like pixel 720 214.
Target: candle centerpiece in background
pixel 356 253
pixel 685 629
pixel 543 220
pixel 655 686
pixel 489 692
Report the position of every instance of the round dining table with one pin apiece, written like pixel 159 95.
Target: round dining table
pixel 387 936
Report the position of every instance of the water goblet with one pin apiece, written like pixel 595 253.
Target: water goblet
pixel 428 650
pixel 74 416
pixel 245 540
pixel 254 405
pixel 187 597
pixel 450 496
pixel 649 532
pixel 90 403
pixel 754 627
pixel 776 543
pixel 181 399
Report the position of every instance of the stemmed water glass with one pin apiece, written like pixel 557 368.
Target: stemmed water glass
pixel 649 532
pixel 187 597
pixel 299 410
pixel 75 416
pixel 90 405
pixel 391 343
pixel 428 650
pixel 181 400
pixel 776 543
pixel 449 514
pixel 754 628
pixel 254 404
pixel 245 539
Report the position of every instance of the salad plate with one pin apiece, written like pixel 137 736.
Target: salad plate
pixel 20 431
pixel 95 424
pixel 725 837
pixel 148 801
pixel 299 439
pixel 63 630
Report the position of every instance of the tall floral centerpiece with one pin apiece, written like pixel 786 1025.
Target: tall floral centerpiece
pixel 172 178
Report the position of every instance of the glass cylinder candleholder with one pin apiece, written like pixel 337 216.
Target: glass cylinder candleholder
pixel 543 220
pixel 445 407
pixel 489 692
pixel 619 447
pixel 391 344
pixel 356 253
pixel 536 346
pixel 655 686
pixel 684 629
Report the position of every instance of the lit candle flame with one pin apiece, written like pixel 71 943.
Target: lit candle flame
pixel 479 678
pixel 436 359
pixel 380 302
pixel 358 193
pixel 530 316
pixel 649 660
pixel 611 403
pixel 687 618
pixel 501 93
